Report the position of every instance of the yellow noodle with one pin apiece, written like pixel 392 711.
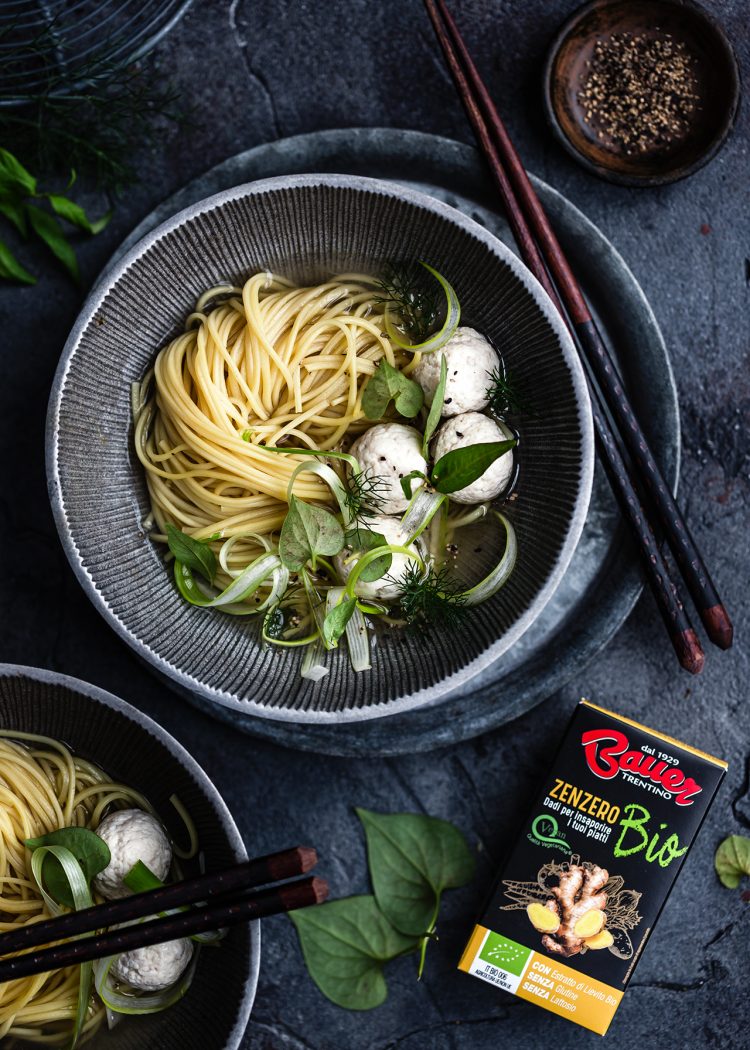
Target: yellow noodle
pixel 44 787
pixel 276 363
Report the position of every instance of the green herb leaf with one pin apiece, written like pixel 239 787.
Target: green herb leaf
pixel 732 860
pixel 412 859
pixel 46 227
pixel 307 532
pixel 386 385
pixel 344 944
pixel 11 268
pixel 91 852
pixel 75 214
pixel 459 468
pixel 141 878
pixel 13 175
pixel 196 554
pixel 407 480
pixel 12 207
pixel 361 539
pixel 436 408
pixel 336 620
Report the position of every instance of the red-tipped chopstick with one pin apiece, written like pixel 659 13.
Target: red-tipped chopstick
pixel 530 225
pixel 274 867
pixel 284 898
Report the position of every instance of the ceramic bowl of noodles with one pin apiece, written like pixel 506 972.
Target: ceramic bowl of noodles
pixel 319 449
pixel 75 757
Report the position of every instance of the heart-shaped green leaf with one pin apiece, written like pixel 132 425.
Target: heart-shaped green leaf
pixel 364 540
pixel 412 859
pixel 91 852
pixel 308 531
pixel 345 944
pixel 386 385
pixel 732 860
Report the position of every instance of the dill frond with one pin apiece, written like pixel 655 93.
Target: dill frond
pixel 418 303
pixel 431 599
pixel 92 117
pixel 503 394
pixel 365 493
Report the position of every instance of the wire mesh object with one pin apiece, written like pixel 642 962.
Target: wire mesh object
pixel 62 45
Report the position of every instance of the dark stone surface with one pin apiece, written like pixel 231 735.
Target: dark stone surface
pixel 254 72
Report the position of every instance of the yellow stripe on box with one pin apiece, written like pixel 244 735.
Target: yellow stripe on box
pixel 569 993
pixel 659 736
pixel 472 948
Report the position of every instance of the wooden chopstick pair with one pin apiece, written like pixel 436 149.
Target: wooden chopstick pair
pixel 212 902
pixel 542 253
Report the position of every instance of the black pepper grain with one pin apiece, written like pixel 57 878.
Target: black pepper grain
pixel 640 92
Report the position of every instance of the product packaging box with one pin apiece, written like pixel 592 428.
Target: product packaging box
pixel 595 861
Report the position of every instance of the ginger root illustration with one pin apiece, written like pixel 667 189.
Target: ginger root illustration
pixel 578 907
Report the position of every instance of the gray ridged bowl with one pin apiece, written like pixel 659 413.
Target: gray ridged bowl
pixel 134 749
pixel 306 227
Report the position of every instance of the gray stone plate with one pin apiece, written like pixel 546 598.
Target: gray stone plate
pixel 603 581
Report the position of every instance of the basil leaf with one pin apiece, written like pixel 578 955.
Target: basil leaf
pixel 336 620
pixel 14 175
pixel 75 214
pixel 11 268
pixel 386 385
pixel 141 878
pixel 365 540
pixel 344 944
pixel 436 408
pixel 196 554
pixel 732 860
pixel 459 468
pixel 14 211
pixel 308 531
pixel 412 859
pixel 91 852
pixel 46 227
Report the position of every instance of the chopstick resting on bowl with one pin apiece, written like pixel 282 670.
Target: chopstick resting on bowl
pixel 206 903
pixel 544 256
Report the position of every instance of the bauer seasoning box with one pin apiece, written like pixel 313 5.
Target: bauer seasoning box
pixel 585 882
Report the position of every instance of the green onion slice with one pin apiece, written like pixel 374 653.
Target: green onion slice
pixel 358 641
pixel 81 895
pixel 491 584
pixel 239 590
pixel 373 555
pixel 313 667
pixel 438 339
pixel 152 1003
pixel 423 505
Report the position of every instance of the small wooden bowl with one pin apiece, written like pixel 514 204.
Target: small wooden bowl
pixel 717 85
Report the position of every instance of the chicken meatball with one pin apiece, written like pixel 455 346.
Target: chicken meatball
pixel 472 428
pixel 386 453
pixel 131 835
pixel 470 359
pixel 387 587
pixel 154 968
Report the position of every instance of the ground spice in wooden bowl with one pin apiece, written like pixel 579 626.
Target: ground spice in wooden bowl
pixel 641 92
